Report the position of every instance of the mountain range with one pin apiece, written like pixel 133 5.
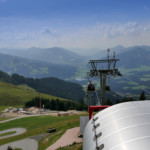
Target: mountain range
pixel 134 64
pixel 34 68
pixel 54 55
pixel 134 58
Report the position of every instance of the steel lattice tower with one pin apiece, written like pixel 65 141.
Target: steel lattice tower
pixel 103 73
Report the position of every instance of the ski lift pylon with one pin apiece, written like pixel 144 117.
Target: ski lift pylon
pixel 107 86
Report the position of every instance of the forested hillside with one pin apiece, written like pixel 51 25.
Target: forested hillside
pixel 12 95
pixel 52 86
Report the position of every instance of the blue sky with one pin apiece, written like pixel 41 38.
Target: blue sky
pixel 74 23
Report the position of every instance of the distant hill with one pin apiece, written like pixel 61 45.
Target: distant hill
pixel 11 95
pixel 55 55
pixel 35 69
pixel 52 86
pixel 135 66
pixel 134 58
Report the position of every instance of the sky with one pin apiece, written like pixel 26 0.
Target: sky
pixel 74 24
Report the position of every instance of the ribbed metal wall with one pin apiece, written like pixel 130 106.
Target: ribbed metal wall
pixel 124 126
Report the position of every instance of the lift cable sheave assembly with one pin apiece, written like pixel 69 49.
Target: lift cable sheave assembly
pixel 104 69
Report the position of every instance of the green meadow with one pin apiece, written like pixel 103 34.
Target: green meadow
pixel 128 72
pixel 74 146
pixel 8 133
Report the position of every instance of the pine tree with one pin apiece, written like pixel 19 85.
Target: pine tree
pixel 108 102
pixel 142 96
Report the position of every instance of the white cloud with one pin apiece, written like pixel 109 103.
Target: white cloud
pixel 3 0
pixel 146 8
pixel 106 35
pixel 98 36
pixel 45 31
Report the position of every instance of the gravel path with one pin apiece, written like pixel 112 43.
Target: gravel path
pixel 17 130
pixel 69 137
pixel 25 144
pixel 24 116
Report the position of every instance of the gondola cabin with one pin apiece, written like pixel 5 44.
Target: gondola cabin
pixel 107 88
pixel 90 87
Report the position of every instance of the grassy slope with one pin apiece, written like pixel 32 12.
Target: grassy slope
pixel 39 125
pixel 8 133
pixel 11 95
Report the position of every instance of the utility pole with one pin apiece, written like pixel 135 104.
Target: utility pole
pixel 40 101
pixel 103 69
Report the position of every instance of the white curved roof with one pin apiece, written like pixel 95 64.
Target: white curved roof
pixel 124 126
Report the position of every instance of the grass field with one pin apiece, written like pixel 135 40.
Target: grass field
pixel 82 71
pixel 145 79
pixel 8 133
pixel 11 95
pixel 74 146
pixel 128 72
pixel 4 118
pixel 39 125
